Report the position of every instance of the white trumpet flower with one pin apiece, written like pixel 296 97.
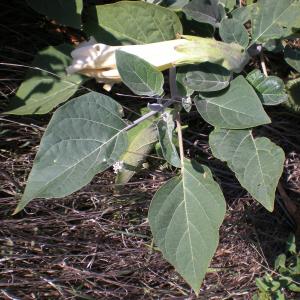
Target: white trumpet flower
pixel 98 60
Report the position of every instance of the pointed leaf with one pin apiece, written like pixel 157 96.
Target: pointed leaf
pixel 140 142
pixel 292 57
pixel 67 12
pixel 207 77
pixel 236 108
pixel 185 216
pixel 233 31
pixel 270 89
pixel 47 86
pixel 133 22
pixel 208 11
pixel 257 163
pixel 83 138
pixel 140 76
pixel 274 19
pixel 165 135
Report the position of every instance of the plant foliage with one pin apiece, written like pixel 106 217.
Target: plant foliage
pixel 88 134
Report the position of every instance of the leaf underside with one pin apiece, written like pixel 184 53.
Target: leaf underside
pixel 140 143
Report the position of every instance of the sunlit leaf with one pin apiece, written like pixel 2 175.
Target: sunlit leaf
pixel 256 162
pixel 237 107
pixel 270 89
pixel 274 19
pixel 185 216
pixel 233 31
pixel 207 77
pixel 133 22
pixel 140 76
pixel 140 143
pixel 209 11
pixel 165 136
pixel 83 138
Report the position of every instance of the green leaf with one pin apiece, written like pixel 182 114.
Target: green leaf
pixel 182 89
pixel 140 143
pixel 209 11
pixel 207 77
pixel 274 19
pixel 291 244
pixel 83 138
pixel 185 216
pixel 67 12
pixel 292 57
pixel 47 84
pixel 293 89
pixel 229 4
pixel 270 89
pixel 257 163
pixel 280 261
pixel 243 13
pixel 235 108
pixel 134 22
pixel 233 31
pixel 140 76
pixel 165 136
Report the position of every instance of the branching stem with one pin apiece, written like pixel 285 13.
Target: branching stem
pixel 174 97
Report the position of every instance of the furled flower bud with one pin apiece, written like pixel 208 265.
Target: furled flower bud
pixel 98 60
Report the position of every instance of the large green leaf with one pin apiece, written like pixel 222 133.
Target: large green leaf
pixel 233 31
pixel 207 77
pixel 270 89
pixel 140 76
pixel 185 216
pixel 133 22
pixel 47 84
pixel 236 108
pixel 243 13
pixel 274 19
pixel 67 12
pixel 140 143
pixel 165 135
pixel 292 57
pixel 83 138
pixel 208 11
pixel 257 163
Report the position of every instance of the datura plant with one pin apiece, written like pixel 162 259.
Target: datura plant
pixel 132 43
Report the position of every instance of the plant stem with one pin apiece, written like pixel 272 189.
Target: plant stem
pixel 148 115
pixel 174 97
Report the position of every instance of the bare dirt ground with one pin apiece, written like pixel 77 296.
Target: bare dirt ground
pixel 96 243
